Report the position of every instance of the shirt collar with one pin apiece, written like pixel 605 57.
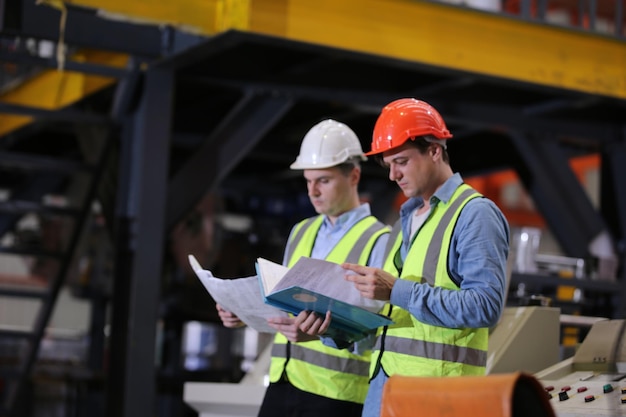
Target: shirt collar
pixel 443 193
pixel 349 216
pixel 447 189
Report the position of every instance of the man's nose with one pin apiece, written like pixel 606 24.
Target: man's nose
pixel 393 174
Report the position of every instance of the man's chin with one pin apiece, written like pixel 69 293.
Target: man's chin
pixel 408 193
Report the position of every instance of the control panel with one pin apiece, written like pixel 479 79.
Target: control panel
pixel 582 394
pixel 593 381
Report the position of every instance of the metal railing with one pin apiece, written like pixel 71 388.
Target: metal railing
pixel 604 17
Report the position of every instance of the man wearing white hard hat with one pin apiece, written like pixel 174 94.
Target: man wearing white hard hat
pixel 308 378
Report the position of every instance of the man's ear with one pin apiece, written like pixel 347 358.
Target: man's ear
pixel 355 175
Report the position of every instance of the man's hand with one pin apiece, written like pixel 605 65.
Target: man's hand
pixel 305 327
pixel 371 282
pixel 229 319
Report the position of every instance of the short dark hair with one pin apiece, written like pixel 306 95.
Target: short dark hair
pixel 347 166
pixel 422 146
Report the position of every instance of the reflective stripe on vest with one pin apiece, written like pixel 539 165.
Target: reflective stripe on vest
pixel 432 350
pixel 301 228
pixel 346 365
pixel 312 366
pixel 410 347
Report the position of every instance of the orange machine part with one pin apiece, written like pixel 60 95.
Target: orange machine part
pixel 498 395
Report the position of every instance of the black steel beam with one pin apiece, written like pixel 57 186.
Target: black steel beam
pixel 64 115
pixel 127 91
pixel 513 118
pixel 23 293
pixel 607 287
pixel 613 190
pixel 31 252
pixel 68 65
pixel 534 119
pixel 23 207
pixel 557 194
pixel 138 263
pixel 85 28
pixel 613 206
pixel 228 144
pixel 365 99
pixel 39 163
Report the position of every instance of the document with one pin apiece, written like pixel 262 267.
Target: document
pixel 241 296
pixel 318 285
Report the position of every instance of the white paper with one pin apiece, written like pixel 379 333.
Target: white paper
pixel 271 274
pixel 324 277
pixel 241 296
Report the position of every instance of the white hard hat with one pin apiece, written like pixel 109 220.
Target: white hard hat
pixel 327 144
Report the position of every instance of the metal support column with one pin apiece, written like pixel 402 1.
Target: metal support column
pixel 613 205
pixel 140 239
pixel 557 193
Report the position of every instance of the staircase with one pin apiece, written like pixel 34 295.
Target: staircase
pixel 58 188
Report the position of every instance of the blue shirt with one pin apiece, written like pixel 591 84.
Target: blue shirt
pixel 477 263
pixel 330 234
pixel 327 238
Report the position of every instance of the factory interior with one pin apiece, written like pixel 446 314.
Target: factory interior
pixel 136 133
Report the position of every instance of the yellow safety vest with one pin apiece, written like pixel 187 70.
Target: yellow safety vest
pixel 312 366
pixel 410 347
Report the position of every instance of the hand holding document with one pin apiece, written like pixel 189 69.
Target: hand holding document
pixel 311 284
pixel 241 296
pixel 319 286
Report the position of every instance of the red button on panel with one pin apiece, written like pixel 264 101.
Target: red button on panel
pixel 589 398
pixel 566 388
pixel 549 388
pixel 581 389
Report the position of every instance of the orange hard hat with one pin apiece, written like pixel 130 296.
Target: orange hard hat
pixel 403 119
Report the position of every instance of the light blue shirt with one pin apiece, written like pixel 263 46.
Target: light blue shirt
pixel 327 238
pixel 477 263
pixel 330 234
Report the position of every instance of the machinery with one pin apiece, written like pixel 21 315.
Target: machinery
pixel 243 399
pixel 593 381
pixel 526 339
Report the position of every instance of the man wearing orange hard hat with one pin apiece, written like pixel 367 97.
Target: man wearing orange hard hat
pixel 444 278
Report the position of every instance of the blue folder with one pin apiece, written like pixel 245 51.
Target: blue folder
pixel 348 322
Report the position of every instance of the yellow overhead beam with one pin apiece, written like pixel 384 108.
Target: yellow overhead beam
pixel 54 89
pixel 198 16
pixel 413 30
pixel 452 37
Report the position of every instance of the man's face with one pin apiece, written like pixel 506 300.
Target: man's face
pixel 410 169
pixel 330 190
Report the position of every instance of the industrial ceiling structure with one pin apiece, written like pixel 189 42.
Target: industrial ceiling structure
pixel 188 114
